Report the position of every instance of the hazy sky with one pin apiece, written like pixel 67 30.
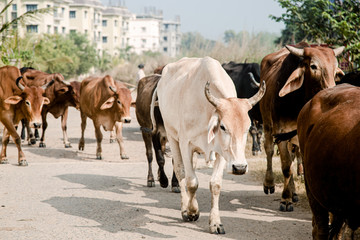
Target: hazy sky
pixel 212 18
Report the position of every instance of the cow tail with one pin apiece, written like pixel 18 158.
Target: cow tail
pixel 152 107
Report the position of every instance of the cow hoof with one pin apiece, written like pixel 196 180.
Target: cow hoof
pixel 191 217
pixel 98 157
pixel 81 148
pixel 217 229
pixel 68 145
pixel 175 189
pixel 23 163
pixel 295 197
pixel 42 145
pixel 286 207
pixel 32 141
pixel 164 182
pixel 151 183
pixel 124 156
pixel 4 161
pixel 239 169
pixel 267 189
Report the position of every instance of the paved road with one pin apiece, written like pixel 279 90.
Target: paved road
pixel 68 194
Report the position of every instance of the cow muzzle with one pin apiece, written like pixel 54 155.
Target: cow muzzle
pixel 239 169
pixel 126 119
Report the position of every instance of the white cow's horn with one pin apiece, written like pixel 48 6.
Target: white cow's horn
pixel 213 100
pixel 257 97
pixel 295 51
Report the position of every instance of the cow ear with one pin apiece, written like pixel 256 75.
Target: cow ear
pixel 133 104
pixel 108 103
pixel 294 82
pixel 213 127
pixel 13 100
pixel 46 101
pixel 338 74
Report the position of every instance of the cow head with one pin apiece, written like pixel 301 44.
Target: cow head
pixel 31 102
pixel 229 125
pixel 318 69
pixel 119 103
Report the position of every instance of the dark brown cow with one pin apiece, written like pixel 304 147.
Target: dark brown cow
pixel 17 102
pixel 329 133
pixel 293 75
pixel 61 96
pixel 107 103
pixel 158 140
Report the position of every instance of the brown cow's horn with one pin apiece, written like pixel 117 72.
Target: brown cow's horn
pixel 295 51
pixel 257 97
pixel 338 50
pixel 213 100
pixel 253 79
pixel 112 89
pixel 19 84
pixel 46 85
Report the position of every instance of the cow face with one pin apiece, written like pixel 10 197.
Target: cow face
pixel 31 103
pixel 119 104
pixel 228 127
pixel 317 70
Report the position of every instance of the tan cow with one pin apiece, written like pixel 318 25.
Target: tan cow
pixel 17 102
pixel 293 75
pixel 107 103
pixel 202 114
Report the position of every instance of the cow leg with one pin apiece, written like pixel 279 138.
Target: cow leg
pixel 174 182
pixel 192 183
pixel 215 188
pixel 320 219
pixel 44 126
pixel 180 174
pixel 149 155
pixel 289 187
pixel 164 182
pixel 99 137
pixel 83 126
pixel 113 136
pixel 10 130
pixel 120 140
pixel 300 168
pixel 253 132
pixel 269 184
pixel 64 118
pixel 31 138
pixel 23 126
pixel 259 128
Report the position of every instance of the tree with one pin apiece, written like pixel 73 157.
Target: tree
pixel 323 21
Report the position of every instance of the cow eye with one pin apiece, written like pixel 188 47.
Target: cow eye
pixel 313 66
pixel 118 101
pixel 222 127
pixel 27 103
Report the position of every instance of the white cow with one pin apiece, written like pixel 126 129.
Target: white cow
pixel 199 121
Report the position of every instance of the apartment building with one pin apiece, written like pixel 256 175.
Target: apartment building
pixel 109 28
pixel 115 26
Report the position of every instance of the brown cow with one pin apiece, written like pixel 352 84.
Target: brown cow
pixel 61 96
pixel 293 75
pixel 329 133
pixel 17 102
pixel 158 140
pixel 107 103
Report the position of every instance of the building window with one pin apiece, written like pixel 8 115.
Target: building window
pixel 48 28
pixel 165 39
pixel 86 31
pixel 14 7
pixel 104 39
pixel 63 30
pixel 62 11
pixel 48 6
pixel 13 15
pixel 72 14
pixel 72 31
pixel 165 49
pixel 55 29
pixel 31 7
pixel 115 39
pixel 115 23
pixel 143 40
pixel 143 29
pixel 32 28
pixel 85 14
pixel 104 23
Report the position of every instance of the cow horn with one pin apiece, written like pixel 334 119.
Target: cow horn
pixel 295 51
pixel 338 50
pixel 213 100
pixel 253 79
pixel 66 83
pixel 112 89
pixel 46 85
pixel 19 84
pixel 257 97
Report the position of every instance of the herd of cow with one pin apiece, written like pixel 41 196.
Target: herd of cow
pixel 198 105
